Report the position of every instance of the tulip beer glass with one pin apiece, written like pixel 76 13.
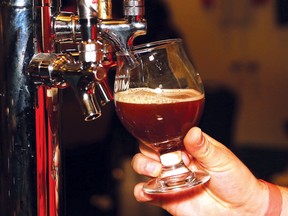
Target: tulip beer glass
pixel 158 98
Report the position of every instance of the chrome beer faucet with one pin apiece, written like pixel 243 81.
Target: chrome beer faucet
pixel 44 50
pixel 96 37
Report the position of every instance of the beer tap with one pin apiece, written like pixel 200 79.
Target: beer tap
pixel 45 50
pixel 101 37
pixel 122 32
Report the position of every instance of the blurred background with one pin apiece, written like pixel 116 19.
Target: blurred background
pixel 240 49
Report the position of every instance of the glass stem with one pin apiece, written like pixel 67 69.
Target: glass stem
pixel 172 164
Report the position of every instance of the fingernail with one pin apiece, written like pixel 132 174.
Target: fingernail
pixel 201 142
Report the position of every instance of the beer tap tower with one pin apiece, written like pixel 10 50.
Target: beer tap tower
pixel 42 51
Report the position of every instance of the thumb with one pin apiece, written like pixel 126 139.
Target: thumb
pixel 209 153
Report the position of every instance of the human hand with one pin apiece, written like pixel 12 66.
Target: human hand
pixel 232 189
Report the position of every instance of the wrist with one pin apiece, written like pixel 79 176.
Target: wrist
pixel 275 200
pixel 284 191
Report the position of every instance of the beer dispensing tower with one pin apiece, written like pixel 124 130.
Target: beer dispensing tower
pixel 42 51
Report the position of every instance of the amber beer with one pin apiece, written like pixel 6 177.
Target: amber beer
pixel 159 117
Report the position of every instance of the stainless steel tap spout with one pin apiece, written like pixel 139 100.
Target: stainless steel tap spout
pixel 61 70
pixel 122 32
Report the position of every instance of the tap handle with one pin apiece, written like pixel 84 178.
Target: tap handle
pixel 87 9
pixel 134 8
pixel 104 9
pixel 88 12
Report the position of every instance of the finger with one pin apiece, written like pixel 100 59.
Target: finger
pixel 209 153
pixel 144 165
pixel 140 195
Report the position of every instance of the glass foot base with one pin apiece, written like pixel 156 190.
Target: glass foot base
pixel 176 183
